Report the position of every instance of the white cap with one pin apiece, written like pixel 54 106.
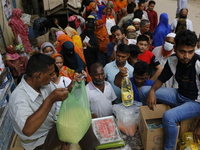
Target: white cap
pixel 136 20
pixel 171 35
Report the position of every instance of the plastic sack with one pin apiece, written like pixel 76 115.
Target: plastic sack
pixel 127 147
pixel 74 117
pixel 127 117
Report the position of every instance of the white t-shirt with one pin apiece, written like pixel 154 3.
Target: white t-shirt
pixel 188 24
pixel 171 83
pixel 100 102
pixel 63 83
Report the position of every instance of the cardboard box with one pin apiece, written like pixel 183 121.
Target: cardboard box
pixel 188 125
pixel 152 139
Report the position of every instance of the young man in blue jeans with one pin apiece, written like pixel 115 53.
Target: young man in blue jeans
pixel 185 66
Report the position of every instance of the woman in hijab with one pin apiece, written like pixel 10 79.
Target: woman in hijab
pixel 103 40
pixel 19 29
pixel 63 70
pixel 161 30
pixel 91 46
pixel 73 60
pixel 48 49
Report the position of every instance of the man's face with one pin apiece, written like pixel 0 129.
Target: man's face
pixel 121 58
pixel 140 79
pixel 118 35
pixel 142 6
pixel 145 28
pixel 143 46
pixel 98 75
pixel 46 77
pixel 136 25
pixel 170 40
pixel 183 13
pixel 151 7
pixel 184 53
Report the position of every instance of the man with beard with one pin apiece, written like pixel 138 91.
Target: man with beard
pixel 162 53
pixel 183 15
pixel 185 66
pixel 100 93
pixel 112 68
pixel 139 79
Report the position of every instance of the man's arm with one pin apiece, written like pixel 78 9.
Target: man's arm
pixel 118 78
pixel 34 121
pixel 151 97
pixel 157 72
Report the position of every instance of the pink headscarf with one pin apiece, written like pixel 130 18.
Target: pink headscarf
pixel 58 33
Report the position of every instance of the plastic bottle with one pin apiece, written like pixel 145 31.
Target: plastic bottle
pixel 127 92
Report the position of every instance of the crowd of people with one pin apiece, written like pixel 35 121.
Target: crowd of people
pixel 109 40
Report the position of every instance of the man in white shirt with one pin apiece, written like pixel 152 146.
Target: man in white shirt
pixel 100 93
pixel 162 53
pixel 183 14
pixel 32 106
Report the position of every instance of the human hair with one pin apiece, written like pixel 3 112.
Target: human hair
pixel 56 70
pixel 114 28
pixel 138 14
pixel 95 66
pixel 142 38
pixel 130 8
pixel 122 30
pixel 186 37
pixel 141 2
pixel 152 2
pixel 38 63
pixel 144 22
pixel 134 50
pixel 183 9
pixel 123 48
pixel 141 67
pixel 148 33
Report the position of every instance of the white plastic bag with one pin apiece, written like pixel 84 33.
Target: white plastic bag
pixel 127 117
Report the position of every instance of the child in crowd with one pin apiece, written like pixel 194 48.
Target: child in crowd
pixel 150 36
pixel 139 79
pixel 60 82
pixel 148 57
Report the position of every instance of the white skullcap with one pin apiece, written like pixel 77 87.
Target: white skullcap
pixel 136 20
pixel 171 35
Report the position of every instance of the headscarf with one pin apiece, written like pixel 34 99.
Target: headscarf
pixel 47 44
pixel 161 30
pixel 73 20
pixel 63 38
pixel 73 34
pixel 16 24
pixel 92 6
pixel 69 55
pixel 54 55
pixel 102 35
pixel 64 71
pixel 100 11
pixel 11 53
pixel 58 33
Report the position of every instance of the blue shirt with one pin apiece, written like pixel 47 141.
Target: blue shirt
pixel 135 89
pixel 111 70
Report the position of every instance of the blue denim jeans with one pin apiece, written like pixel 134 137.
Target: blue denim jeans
pixel 184 109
